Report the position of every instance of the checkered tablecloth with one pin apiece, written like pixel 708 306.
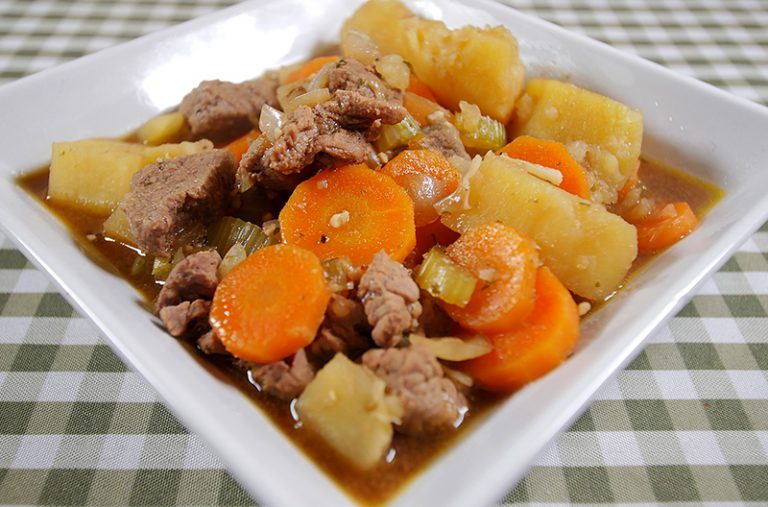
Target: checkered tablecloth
pixel 686 423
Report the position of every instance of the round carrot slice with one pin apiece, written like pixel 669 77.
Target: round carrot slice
pixel 536 346
pixel 505 262
pixel 426 176
pixel 352 212
pixel 271 304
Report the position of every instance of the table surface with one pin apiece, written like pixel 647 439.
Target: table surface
pixel 685 423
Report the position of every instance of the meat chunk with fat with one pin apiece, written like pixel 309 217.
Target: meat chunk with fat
pixel 391 300
pixel 283 379
pixel 220 109
pixel 185 300
pixel 173 200
pixel 431 402
pixel 339 130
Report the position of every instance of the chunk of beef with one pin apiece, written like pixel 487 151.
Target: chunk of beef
pixel 353 110
pixel 173 200
pixel 343 329
pixel 339 130
pixel 351 75
pixel 431 402
pixel 210 344
pixel 192 278
pixel 391 300
pixel 220 109
pixel 184 301
pixel 442 136
pixel 283 379
pixel 186 317
pixel 309 132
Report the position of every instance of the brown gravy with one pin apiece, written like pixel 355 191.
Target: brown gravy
pixel 409 454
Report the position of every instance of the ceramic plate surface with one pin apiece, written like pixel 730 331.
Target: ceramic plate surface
pixel 689 125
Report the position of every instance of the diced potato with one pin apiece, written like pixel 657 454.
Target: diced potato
pixel 588 248
pixel 95 174
pixel 164 128
pixel 478 65
pixel 116 227
pixel 347 407
pixel 604 136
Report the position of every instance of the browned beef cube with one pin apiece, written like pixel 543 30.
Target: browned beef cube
pixel 220 109
pixel 172 201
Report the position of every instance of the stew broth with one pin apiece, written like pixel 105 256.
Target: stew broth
pixel 409 454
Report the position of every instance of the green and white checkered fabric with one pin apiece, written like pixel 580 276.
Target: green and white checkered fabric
pixel 685 424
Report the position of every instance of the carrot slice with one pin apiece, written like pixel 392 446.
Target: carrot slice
pixel 536 346
pixel 665 227
pixel 426 176
pixel 553 155
pixel 239 146
pixel 271 304
pixel 310 68
pixel 420 107
pixel 505 263
pixel 350 211
pixel 419 87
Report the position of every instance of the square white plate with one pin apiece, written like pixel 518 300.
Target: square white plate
pixel 689 125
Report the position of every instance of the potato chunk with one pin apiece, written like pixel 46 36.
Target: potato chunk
pixel 588 248
pixel 603 135
pixel 95 174
pixel 347 407
pixel 478 65
pixel 116 226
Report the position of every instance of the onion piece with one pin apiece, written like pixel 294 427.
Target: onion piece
pixel 320 79
pixel 356 44
pixel 235 255
pixel 311 98
pixel 271 121
pixel 459 199
pixel 451 348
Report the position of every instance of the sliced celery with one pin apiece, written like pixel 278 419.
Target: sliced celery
pixel 397 135
pixel 445 279
pixel 340 274
pixel 479 132
pixel 230 230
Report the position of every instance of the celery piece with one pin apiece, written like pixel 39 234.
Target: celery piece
pixel 397 135
pixel 230 230
pixel 445 279
pixel 479 132
pixel 340 274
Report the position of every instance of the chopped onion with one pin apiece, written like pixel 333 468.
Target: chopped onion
pixel 356 44
pixel 271 121
pixel 320 79
pixel 459 199
pixel 288 92
pixel 451 348
pixel 235 255
pixel 310 99
pixel 394 71
pixel 459 377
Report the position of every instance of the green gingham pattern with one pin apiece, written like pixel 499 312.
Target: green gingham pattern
pixel 685 424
